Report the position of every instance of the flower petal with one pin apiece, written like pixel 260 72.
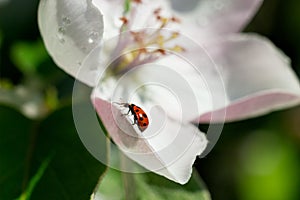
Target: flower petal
pixel 206 19
pixel 170 152
pixel 70 30
pixel 112 11
pixel 253 106
pixel 177 86
pixel 257 76
pixel 171 83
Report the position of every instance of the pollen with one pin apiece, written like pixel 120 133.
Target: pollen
pixel 160 40
pixel 124 20
pixel 175 19
pixel 175 35
pixel 146 45
pixel 161 51
pixel 177 49
pixel 164 21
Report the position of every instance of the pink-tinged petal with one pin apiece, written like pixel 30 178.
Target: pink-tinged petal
pixel 253 106
pixel 207 19
pixel 71 30
pixel 170 152
pixel 257 77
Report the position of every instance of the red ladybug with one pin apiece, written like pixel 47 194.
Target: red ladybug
pixel 139 115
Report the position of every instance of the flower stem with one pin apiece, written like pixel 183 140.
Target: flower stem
pixel 128 179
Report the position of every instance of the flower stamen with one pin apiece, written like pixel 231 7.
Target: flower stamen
pixel 142 46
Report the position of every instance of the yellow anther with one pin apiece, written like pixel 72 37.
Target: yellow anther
pixel 144 41
pixel 174 35
pixel 164 20
pixel 128 58
pixel 160 40
pixel 177 49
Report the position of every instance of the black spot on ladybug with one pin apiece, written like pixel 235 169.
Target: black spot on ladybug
pixel 137 110
pixel 144 115
pixel 141 119
pixel 144 124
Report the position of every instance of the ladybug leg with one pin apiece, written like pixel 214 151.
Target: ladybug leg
pixel 135 121
pixel 126 113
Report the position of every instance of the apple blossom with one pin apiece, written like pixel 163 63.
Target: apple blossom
pixel 183 65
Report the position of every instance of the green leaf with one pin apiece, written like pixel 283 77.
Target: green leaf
pixel 13 151
pixel 44 159
pixel 27 56
pixel 276 169
pixel 150 186
pixel 1 38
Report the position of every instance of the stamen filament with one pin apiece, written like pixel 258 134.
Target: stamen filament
pixel 142 41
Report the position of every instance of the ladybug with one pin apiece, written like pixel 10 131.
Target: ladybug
pixel 139 115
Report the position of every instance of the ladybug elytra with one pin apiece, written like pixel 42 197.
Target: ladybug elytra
pixel 139 115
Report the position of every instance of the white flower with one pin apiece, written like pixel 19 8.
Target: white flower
pixel 182 64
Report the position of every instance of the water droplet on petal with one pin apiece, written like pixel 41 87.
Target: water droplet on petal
pixel 91 40
pixel 61 30
pixel 61 33
pixel 66 21
pixel 62 40
pixel 93 37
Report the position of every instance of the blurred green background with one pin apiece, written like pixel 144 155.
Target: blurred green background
pixel 255 159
